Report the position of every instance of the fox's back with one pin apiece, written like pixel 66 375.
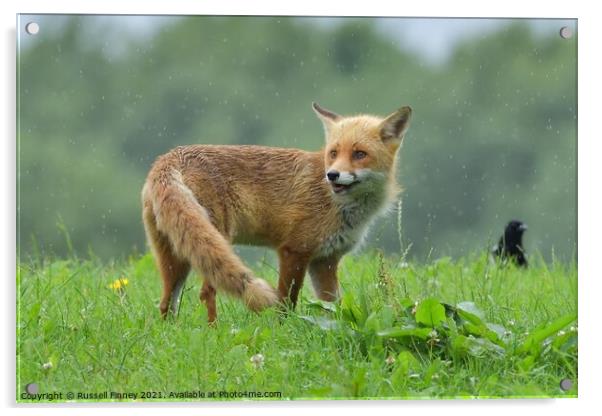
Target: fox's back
pixel 246 164
pixel 254 194
pixel 249 171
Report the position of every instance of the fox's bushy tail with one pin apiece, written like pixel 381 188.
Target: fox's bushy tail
pixel 193 237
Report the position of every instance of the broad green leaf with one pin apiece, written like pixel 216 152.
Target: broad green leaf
pixel 483 331
pixel 430 312
pixel 533 342
pixel 422 333
pixel 477 347
pixel 322 322
pixel 471 317
pixel 471 308
pixel 321 304
pixel 499 330
pixel 482 345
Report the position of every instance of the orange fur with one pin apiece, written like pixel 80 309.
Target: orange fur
pixel 198 200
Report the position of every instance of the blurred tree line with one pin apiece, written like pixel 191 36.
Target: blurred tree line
pixel 493 135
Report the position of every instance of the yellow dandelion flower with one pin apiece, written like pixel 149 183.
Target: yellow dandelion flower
pixel 119 284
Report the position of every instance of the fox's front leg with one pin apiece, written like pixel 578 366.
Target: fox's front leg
pixel 293 266
pixel 323 274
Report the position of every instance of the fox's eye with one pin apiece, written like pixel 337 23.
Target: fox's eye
pixel 333 154
pixel 359 154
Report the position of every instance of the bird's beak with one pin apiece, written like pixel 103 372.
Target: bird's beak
pixel 523 227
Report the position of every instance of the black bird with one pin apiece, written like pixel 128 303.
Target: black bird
pixel 510 245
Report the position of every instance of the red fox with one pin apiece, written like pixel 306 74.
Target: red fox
pixel 311 207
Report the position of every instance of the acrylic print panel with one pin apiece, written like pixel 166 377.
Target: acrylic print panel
pixel 433 292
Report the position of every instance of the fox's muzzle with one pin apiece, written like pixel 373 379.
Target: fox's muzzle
pixel 341 178
pixel 341 181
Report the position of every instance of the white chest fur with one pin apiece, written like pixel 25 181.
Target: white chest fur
pixel 356 218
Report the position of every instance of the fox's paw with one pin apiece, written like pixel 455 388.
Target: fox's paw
pixel 259 295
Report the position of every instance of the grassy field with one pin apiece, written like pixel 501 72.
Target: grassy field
pixel 465 328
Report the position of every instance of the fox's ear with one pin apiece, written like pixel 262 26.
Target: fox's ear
pixel 393 128
pixel 328 118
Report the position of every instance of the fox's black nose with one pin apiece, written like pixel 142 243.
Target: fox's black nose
pixel 333 175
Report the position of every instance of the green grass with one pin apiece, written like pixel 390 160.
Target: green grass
pixel 99 339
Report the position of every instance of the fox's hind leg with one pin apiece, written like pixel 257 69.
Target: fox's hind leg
pixel 208 298
pixel 176 292
pixel 173 270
